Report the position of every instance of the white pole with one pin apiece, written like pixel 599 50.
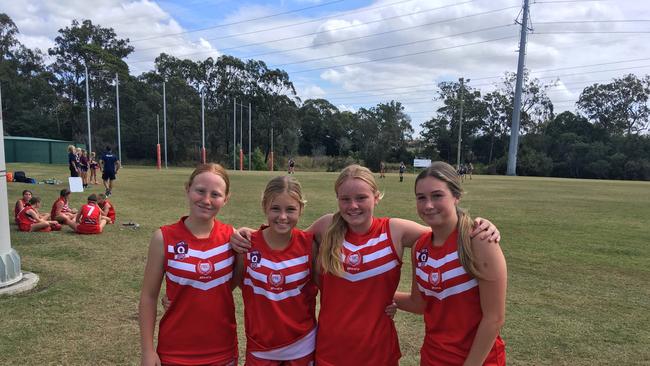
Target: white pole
pixel 9 258
pixel 119 139
pixel 234 134
pixel 249 137
pixel 165 121
pixel 202 119
pixel 241 121
pixel 90 144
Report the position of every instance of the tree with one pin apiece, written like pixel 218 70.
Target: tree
pixel 620 106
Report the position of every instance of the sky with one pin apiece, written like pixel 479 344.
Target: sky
pixel 358 53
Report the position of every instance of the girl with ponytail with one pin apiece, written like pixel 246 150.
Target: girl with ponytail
pixel 459 281
pixel 360 259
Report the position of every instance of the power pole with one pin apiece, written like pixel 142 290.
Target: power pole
pixel 460 122
pixel 516 110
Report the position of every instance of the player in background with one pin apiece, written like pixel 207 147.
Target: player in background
pixel 107 207
pixel 89 219
pixel 459 282
pixel 29 219
pixel 61 210
pixel 21 203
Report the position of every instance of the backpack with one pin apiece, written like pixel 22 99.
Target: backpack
pixel 19 176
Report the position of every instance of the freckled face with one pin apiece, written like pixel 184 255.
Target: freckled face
pixel 206 196
pixel 435 203
pixel 357 202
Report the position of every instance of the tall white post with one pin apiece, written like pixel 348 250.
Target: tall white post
pixel 460 122
pixel 165 121
pixel 249 137
pixel 119 138
pixel 10 272
pixel 202 119
pixel 90 144
pixel 234 134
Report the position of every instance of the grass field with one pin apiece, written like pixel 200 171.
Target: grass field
pixel 578 255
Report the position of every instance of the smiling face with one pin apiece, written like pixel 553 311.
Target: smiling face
pixel 435 203
pixel 27 195
pixel 282 213
pixel 206 195
pixel 357 202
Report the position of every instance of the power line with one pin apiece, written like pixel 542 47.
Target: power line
pixel 242 21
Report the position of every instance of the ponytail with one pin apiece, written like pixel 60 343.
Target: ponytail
pixel 329 255
pixel 465 253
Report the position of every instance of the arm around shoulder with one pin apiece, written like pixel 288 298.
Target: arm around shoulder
pixel 153 275
pixel 319 227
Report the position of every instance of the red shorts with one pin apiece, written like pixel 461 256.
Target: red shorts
pixel 303 361
pixel 88 229
pixel 227 363
pixel 28 227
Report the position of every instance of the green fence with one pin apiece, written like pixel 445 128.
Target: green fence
pixel 35 150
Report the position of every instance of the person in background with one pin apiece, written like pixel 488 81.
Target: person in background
pixel 61 211
pixel 94 166
pixel 110 165
pixel 459 282
pixel 382 170
pixel 29 219
pixel 27 195
pixel 107 207
pixel 402 169
pixel 292 166
pixel 89 219
pixel 83 167
pixel 72 161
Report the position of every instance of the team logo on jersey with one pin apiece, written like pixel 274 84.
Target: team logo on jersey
pixel 275 279
pixel 256 258
pixel 422 257
pixel 354 260
pixel 180 250
pixel 435 279
pixel 204 267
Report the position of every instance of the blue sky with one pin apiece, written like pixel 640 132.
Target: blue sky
pixel 361 53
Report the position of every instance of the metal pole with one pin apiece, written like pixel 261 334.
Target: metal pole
pixel 90 144
pixel 158 127
pixel 119 139
pixel 249 137
pixel 241 135
pixel 10 272
pixel 165 121
pixel 202 126
pixel 460 123
pixel 516 110
pixel 234 134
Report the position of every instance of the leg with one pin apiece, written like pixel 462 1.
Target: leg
pixel 38 226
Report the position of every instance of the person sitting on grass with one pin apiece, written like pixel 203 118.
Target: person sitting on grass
pixel 89 219
pixel 29 219
pixel 107 207
pixel 61 212
pixel 21 203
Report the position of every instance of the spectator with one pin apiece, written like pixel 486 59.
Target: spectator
pixel 110 165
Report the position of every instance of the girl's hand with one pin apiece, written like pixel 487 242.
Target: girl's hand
pixel 486 229
pixel 391 310
pixel 150 359
pixel 166 303
pixel 240 240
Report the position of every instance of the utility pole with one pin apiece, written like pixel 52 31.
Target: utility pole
pixel 460 122
pixel 119 139
pixel 90 144
pixel 516 110
pixel 249 137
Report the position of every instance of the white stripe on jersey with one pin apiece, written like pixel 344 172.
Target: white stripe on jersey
pixel 287 279
pixel 458 271
pixel 192 267
pixel 298 349
pixel 198 284
pixel 284 264
pixel 437 263
pixel 201 254
pixel 373 256
pixel 272 295
pixel 450 291
pixel 355 248
pixel 371 272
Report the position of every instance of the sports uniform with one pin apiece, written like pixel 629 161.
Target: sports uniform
pixel 25 221
pixel 353 328
pixel 111 210
pixel 89 219
pixel 199 326
pixel 17 210
pixel 64 209
pixel 453 306
pixel 279 301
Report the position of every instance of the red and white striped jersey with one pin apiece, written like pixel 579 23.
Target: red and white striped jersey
pixel 199 326
pixel 353 328
pixel 279 297
pixel 64 209
pixel 453 310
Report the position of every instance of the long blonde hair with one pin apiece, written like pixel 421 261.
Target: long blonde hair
pixel 329 255
pixel 446 173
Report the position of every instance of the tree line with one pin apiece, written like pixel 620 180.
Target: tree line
pixel 605 138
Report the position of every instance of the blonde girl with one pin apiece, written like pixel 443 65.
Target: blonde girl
pixel 194 258
pixel 459 282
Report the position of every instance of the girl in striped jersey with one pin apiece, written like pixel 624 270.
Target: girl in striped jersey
pixel 459 282
pixel 360 259
pixel 194 257
pixel 278 286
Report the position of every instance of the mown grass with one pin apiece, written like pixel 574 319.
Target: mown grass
pixel 578 254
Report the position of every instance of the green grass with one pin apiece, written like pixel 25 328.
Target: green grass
pixel 578 253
